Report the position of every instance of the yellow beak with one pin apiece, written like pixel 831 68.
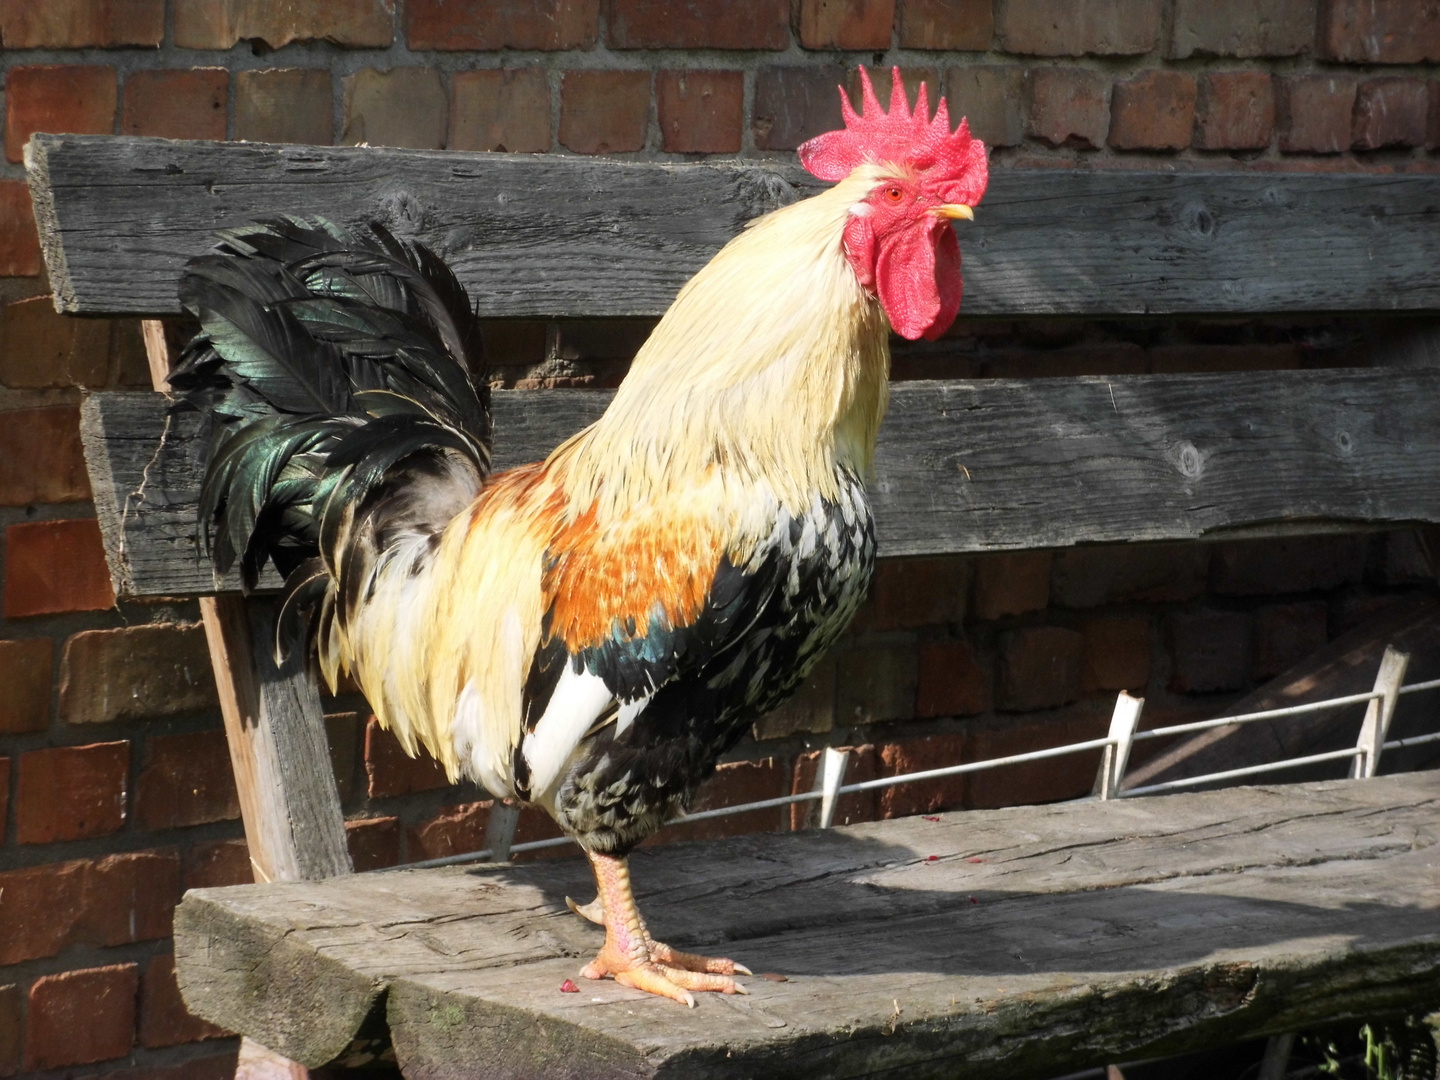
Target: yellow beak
pixel 953 211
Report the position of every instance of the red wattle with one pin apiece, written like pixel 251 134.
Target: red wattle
pixel 917 277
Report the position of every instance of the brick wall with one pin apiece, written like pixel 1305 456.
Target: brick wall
pixel 115 792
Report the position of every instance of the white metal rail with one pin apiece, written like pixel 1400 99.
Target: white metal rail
pixel 1123 734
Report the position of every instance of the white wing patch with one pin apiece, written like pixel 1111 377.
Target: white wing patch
pixel 578 701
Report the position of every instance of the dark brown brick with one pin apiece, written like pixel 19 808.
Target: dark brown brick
pixel 217 863
pixel 454 831
pixel 858 806
pixel 285 105
pixel 701 112
pixel 26 666
pixel 793 104
pixel 1079 28
pixel 68 99
pixel 19 242
pixel 918 755
pixel 176 104
pixel 1117 653
pixel 1291 565
pixel 187 780
pixel 1235 110
pixel 390 771
pixel 1153 111
pixel 1432 127
pixel 205 24
pixel 1068 106
pixel 1383 32
pixel 489 25
pixel 923 591
pixel 736 782
pixel 136 673
pixel 41 460
pixel 1314 113
pixel 1040 668
pixel 1390 112
pixel 81 24
pixel 345 732
pixel 79 1017
pixel 951 681
pixel 373 843
pixel 959 25
pixel 403 107
pixel 811 710
pixel 846 24
pixel 1176 359
pixel 1209 650
pixel 12 1029
pixel 698 24
pixel 1241 28
pixel 1147 574
pixel 876 683
pixel 130 897
pixel 164 1019
pixel 4 794
pixel 1032 783
pixel 41 350
pixel 1012 583
pixel 71 792
pixel 992 98
pixel 507 110
pixel 1285 634
pixel 604 112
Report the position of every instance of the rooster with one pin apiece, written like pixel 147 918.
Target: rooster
pixel 589 633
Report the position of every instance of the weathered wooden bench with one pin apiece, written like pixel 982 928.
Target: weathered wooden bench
pixel 467 964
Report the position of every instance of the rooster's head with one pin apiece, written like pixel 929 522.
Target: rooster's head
pixel 899 238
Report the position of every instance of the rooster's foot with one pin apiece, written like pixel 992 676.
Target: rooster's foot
pixel 715 965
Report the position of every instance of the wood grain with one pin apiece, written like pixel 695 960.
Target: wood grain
pixel 1036 941
pixel 551 237
pixel 985 465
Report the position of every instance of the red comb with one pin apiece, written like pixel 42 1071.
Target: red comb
pixel 955 163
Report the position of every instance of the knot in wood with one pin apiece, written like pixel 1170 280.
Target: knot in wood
pixel 1188 459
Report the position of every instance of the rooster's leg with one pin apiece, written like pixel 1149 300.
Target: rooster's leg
pixel 634 959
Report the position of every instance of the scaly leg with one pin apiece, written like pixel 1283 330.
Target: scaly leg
pixel 634 959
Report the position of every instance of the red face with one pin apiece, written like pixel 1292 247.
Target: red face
pixel 906 253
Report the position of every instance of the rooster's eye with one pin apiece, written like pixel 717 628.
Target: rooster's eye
pixel 894 195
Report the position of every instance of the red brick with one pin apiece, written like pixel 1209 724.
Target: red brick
pixel 992 98
pixel 130 897
pixel 41 460
pixel 810 710
pixel 507 110
pixel 1285 634
pixel 41 908
pixel 206 24
pixel 960 25
pixel 1078 28
pixel 1121 574
pixel 846 24
pixel 176 104
pixel 1390 112
pixel 1235 110
pixel 43 350
pixel 489 25
pixel 795 104
pixel 187 780
pixel 1117 653
pixel 858 806
pixel 951 682
pixel 4 794
pixel 403 107
pixel 71 99
pixel 80 1017
pixel 284 105
pixel 80 24
pixel 1012 583
pixel 25 672
pixel 1069 776
pixel 454 831
pixel 1241 28
pixel 604 112
pixel 916 592
pixel 1209 650
pixel 135 673
pixel 698 24
pixel 55 566
pixel 373 843
pixel 917 755
pixel 736 782
pixel 390 771
pixel 1068 106
pixel 71 792
pixel 876 684
pixel 1298 564
pixel 12 1029
pixel 1313 113
pixel 164 1019
pixel 218 863
pixel 19 242
pixel 701 112
pixel 1383 32
pixel 1153 111
pixel 535 824
pixel 1040 667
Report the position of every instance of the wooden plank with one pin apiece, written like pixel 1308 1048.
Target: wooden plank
pixel 1023 942
pixel 548 237
pixel 987 465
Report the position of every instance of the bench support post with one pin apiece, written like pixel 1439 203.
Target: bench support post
pixel 1379 712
